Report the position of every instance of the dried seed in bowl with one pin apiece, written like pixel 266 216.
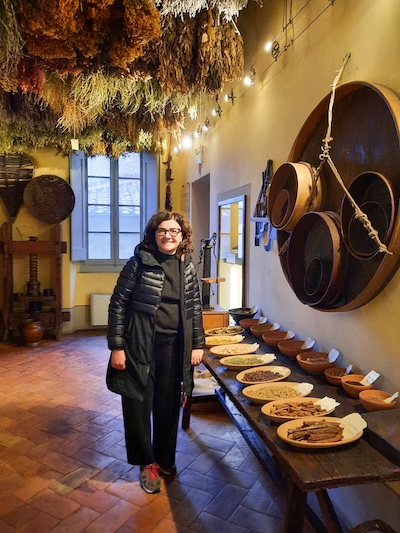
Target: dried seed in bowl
pixel 261 375
pixel 268 393
pixel 245 360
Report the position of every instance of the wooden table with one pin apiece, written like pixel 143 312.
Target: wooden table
pixel 302 470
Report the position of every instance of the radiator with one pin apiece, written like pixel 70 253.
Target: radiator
pixel 99 309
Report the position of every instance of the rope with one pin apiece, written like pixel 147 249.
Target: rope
pixel 325 156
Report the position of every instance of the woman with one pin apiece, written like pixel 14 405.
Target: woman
pixel 155 334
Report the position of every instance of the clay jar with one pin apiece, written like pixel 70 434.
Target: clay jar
pixel 32 332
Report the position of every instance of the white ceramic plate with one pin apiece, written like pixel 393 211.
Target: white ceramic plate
pixel 268 392
pixel 219 340
pixel 240 362
pixel 234 349
pixel 283 372
pixel 269 408
pixel 282 432
pixel 228 330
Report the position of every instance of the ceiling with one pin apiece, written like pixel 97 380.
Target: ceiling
pixel 116 74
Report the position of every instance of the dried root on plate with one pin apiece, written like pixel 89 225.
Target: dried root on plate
pixel 300 409
pixel 317 432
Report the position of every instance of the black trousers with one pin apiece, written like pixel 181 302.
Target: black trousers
pixel 151 426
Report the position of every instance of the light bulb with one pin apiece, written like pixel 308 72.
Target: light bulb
pixel 268 46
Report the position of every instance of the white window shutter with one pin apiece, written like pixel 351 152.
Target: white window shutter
pixel 78 215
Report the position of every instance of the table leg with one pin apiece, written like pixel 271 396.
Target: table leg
pixel 328 512
pixel 295 509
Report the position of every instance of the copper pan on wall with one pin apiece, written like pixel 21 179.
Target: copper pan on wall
pixel 315 262
pixel 295 189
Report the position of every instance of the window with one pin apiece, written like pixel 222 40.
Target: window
pixel 113 200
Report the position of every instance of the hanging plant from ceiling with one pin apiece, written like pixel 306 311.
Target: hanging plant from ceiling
pixel 115 73
pixel 11 45
pixel 228 8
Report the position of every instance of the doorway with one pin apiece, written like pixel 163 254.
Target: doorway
pixel 232 248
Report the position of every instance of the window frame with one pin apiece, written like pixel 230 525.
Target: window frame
pixel 149 193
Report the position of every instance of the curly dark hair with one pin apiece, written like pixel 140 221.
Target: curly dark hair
pixel 149 240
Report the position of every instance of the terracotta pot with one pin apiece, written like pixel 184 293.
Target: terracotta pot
pixel 294 191
pixel 32 332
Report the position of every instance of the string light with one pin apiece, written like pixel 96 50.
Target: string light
pixel 230 97
pixel 272 47
pixel 217 110
pixel 250 78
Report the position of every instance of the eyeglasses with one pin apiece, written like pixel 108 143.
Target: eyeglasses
pixel 174 232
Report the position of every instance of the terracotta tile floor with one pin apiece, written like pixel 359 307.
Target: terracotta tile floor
pixel 63 464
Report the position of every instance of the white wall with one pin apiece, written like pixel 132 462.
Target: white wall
pixel 262 125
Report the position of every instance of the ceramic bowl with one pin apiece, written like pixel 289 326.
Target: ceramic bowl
pixel 333 374
pixel 273 338
pixel 241 312
pixel 314 362
pixel 348 383
pixel 245 323
pixel 372 400
pixel 292 347
pixel 258 329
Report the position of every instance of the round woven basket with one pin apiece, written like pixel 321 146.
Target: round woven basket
pixel 49 198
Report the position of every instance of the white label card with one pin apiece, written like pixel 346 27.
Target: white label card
pixel 327 403
pixel 289 335
pixel 333 355
pixel 348 369
pixel 308 343
pixel 370 378
pixel 353 423
pixel 304 388
pixel 262 320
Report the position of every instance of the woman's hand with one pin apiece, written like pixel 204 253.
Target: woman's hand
pixel 197 356
pixel 118 359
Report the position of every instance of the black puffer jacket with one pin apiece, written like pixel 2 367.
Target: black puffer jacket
pixel 131 321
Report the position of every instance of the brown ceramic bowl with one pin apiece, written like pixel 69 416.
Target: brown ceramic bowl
pixel 273 338
pixel 258 329
pixel 348 383
pixel 372 400
pixel 333 374
pixel 292 347
pixel 245 323
pixel 314 362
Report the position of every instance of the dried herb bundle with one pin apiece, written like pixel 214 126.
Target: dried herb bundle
pixel 113 72
pixel 11 45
